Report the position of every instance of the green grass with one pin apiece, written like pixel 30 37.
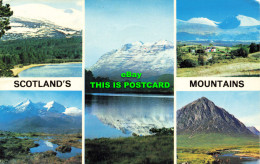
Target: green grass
pixel 141 149
pixel 194 149
pixel 237 67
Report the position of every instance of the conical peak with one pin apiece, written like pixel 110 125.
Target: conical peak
pixel 203 103
pixel 203 100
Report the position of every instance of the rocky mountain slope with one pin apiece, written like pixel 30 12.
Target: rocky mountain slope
pixel 150 59
pixel 203 116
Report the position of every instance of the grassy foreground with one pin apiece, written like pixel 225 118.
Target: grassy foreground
pixel 235 61
pixel 196 149
pixel 15 148
pixel 138 149
pixel 246 67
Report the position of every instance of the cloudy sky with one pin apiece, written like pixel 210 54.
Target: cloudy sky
pixel 217 10
pixel 66 98
pixel 112 23
pixel 243 105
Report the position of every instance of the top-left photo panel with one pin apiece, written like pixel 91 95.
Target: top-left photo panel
pixel 41 38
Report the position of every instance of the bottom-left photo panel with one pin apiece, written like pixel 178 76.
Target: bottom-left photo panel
pixel 40 126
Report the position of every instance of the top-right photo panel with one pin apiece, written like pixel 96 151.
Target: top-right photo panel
pixel 218 38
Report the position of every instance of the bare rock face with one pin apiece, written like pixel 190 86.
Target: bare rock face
pixel 203 116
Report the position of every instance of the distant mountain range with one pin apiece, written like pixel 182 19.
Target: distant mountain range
pixel 34 20
pixel 238 28
pixel 49 117
pixel 203 116
pixel 150 59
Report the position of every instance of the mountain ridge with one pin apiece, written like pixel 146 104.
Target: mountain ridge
pixel 27 116
pixel 150 59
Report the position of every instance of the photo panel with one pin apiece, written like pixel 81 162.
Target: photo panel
pixel 218 38
pixel 129 81
pixel 41 126
pixel 218 127
pixel 41 38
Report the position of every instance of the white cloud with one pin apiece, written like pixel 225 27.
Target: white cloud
pixel 248 21
pixel 202 20
pixel 252 120
pixel 73 111
pixel 258 1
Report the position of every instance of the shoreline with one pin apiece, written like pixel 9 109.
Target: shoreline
pixel 16 70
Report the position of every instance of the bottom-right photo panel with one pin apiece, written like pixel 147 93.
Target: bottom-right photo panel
pixel 218 127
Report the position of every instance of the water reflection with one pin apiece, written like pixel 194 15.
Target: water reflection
pixel 114 115
pixel 45 145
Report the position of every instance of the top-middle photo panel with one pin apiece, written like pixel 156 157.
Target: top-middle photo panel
pixel 129 36
pixel 218 38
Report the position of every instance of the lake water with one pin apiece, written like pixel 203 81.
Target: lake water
pixel 55 70
pixel 45 145
pixel 120 115
pixel 231 158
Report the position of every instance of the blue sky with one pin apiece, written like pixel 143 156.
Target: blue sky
pixel 62 4
pixel 112 23
pixel 66 98
pixel 243 105
pixel 217 10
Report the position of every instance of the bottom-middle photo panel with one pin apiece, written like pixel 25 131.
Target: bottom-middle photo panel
pixel 129 128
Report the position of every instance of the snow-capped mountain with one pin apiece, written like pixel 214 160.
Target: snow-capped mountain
pixel 54 107
pixel 37 20
pixel 29 116
pixel 150 59
pixel 237 28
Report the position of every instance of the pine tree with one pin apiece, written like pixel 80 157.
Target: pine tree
pixel 5 14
